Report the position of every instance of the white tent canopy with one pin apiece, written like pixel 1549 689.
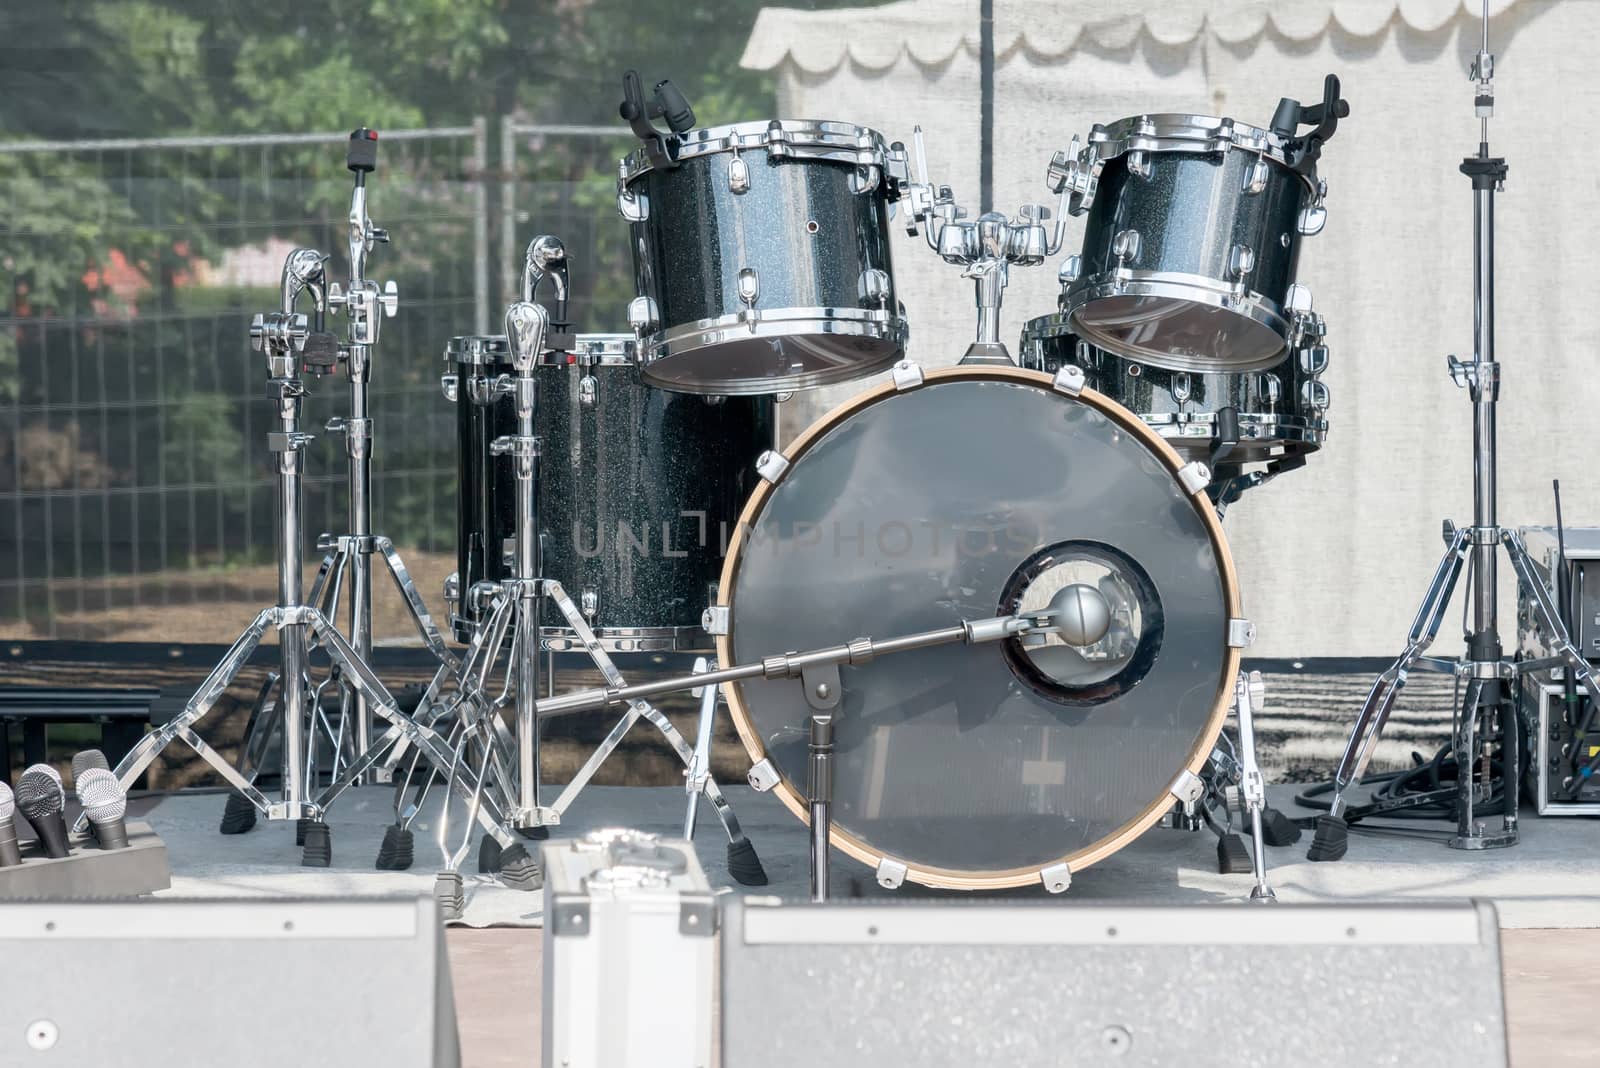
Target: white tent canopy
pixel 1334 557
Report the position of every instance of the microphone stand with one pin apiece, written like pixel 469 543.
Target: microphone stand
pixel 1486 708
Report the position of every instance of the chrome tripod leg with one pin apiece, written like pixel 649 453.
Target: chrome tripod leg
pixel 699 770
pixel 144 753
pixel 414 603
pixel 361 677
pixel 1250 698
pixel 1380 699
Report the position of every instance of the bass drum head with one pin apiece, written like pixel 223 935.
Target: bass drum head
pixel 977 494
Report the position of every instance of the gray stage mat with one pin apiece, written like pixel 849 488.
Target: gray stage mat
pixel 1549 880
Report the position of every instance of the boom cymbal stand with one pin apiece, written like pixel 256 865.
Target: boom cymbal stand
pixel 283 337
pixel 1486 709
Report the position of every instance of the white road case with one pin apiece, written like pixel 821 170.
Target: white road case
pixel 629 968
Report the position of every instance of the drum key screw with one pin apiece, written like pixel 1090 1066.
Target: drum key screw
pixel 1116 1039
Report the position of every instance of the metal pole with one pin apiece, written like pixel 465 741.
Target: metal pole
pixel 292 637
pixel 480 226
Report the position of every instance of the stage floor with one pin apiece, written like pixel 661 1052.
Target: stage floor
pixel 1549 880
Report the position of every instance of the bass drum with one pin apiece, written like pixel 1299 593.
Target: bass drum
pixel 981 492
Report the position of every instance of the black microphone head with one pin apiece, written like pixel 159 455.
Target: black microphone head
pixel 89 758
pixel 39 792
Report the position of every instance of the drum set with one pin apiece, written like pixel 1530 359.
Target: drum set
pixel 978 626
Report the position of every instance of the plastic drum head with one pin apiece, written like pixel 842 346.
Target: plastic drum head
pixel 1184 334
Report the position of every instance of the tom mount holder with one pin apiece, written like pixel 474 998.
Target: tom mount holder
pixel 985 248
pixel 1486 709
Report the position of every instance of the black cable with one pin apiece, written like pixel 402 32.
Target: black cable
pixel 1403 790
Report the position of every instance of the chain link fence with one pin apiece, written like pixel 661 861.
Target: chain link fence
pixel 136 484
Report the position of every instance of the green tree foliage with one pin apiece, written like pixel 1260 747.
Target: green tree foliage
pixel 72 223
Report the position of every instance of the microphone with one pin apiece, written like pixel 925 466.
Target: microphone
pixel 10 854
pixel 89 758
pixel 82 762
pixel 41 798
pixel 105 804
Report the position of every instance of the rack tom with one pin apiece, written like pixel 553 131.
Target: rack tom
pixel 1192 241
pixel 639 490
pixel 1281 412
pixel 761 257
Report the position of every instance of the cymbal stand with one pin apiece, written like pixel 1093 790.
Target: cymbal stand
pixel 1486 707
pixel 985 248
pixel 365 306
pixel 284 337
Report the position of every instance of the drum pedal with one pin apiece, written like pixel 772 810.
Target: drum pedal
pixel 1232 856
pixel 1332 839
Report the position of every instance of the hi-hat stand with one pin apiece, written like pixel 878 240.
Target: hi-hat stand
pixel 284 337
pixel 1487 709
pixel 508 768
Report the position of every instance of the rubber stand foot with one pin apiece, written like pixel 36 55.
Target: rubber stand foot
pixel 449 895
pixel 519 870
pixel 534 834
pixel 1278 829
pixel 1331 840
pixel 744 865
pixel 488 855
pixel 238 815
pixel 319 846
pixel 300 826
pixel 1232 856
pixel 395 854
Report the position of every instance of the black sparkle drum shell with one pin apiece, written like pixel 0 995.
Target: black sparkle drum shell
pixel 1175 295
pixel 1282 410
pixel 773 279
pixel 639 493
pixel 485 489
pixel 909 511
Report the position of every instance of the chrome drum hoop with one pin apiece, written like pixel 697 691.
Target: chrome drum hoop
pixel 783 322
pixel 629 640
pixel 818 139
pixel 1192 243
pixel 762 257
pixel 1284 416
